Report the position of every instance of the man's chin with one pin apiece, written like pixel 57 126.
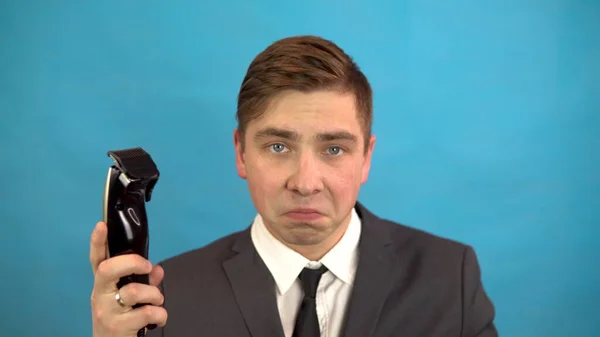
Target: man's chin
pixel 306 224
pixel 304 237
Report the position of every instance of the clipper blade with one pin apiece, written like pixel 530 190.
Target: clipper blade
pixel 135 163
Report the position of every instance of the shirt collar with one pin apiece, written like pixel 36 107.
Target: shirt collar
pixel 285 264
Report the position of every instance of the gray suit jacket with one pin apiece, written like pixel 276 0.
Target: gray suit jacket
pixel 409 283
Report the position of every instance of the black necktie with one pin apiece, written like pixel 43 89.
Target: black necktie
pixel 307 323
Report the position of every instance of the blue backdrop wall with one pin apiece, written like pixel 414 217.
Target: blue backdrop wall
pixel 487 117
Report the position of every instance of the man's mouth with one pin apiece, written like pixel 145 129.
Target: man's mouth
pixel 304 214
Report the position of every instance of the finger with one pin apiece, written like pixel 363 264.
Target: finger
pixel 111 270
pixel 134 293
pixel 140 317
pixel 98 245
pixel 156 275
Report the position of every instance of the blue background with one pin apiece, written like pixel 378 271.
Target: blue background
pixel 486 112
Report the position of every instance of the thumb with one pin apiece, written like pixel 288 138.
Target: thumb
pixel 98 245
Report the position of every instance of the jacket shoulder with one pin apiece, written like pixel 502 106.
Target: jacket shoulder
pixel 420 239
pixel 432 254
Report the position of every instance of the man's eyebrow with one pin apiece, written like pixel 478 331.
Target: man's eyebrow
pixel 336 135
pixel 275 132
pixel 291 135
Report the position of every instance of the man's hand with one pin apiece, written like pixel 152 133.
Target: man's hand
pixel 109 317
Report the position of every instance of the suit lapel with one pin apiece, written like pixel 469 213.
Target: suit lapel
pixel 254 289
pixel 373 280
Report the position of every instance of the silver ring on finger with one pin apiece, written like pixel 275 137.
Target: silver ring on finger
pixel 120 300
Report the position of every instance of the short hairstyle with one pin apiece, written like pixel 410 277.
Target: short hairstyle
pixel 306 64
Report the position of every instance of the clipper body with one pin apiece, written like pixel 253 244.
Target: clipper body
pixel 129 185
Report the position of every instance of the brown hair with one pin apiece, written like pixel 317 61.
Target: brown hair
pixel 303 63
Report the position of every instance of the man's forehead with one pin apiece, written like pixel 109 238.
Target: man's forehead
pixel 317 115
pixel 309 118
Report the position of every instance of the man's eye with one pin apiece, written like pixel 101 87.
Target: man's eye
pixel 277 147
pixel 334 150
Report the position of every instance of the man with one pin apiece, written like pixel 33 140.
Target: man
pixel 315 262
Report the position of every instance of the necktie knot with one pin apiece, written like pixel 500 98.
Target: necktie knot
pixel 310 280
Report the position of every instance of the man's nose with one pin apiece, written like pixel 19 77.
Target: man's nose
pixel 306 179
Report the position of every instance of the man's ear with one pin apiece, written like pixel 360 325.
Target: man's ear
pixel 239 153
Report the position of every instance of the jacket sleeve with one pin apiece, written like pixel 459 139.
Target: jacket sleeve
pixel 478 309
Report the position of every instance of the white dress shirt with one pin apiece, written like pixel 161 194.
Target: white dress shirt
pixel 334 289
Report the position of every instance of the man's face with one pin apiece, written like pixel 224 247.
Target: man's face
pixel 304 162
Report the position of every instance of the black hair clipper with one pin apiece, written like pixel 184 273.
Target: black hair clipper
pixel 129 185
